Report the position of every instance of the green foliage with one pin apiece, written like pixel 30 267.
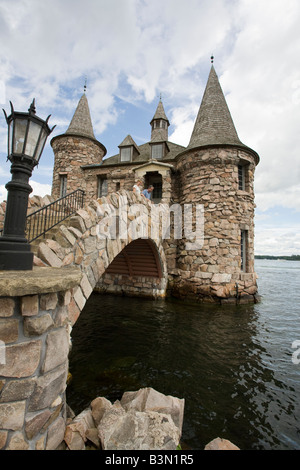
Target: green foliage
pixel 288 258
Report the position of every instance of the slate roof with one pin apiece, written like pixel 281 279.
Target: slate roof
pixel 129 141
pixel 145 155
pixel 81 123
pixel 160 113
pixel 214 124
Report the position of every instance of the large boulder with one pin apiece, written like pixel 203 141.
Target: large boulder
pixel 137 430
pixel 142 420
pixel 148 399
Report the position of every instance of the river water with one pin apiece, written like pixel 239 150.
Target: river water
pixel 235 366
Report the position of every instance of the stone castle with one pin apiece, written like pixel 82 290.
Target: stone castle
pixel 38 309
pixel 215 170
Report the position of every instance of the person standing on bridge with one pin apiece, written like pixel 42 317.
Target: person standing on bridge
pixel 137 187
pixel 147 192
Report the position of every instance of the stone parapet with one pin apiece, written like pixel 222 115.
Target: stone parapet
pixel 36 316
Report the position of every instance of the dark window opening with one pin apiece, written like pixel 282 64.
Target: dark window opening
pixel 244 243
pixel 63 185
pixel 241 172
pixel 243 177
pixel 155 179
pixel 102 186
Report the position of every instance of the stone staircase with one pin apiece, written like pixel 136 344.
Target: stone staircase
pixel 50 234
pixel 45 222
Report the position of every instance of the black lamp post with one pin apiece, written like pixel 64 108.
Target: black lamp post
pixel 27 135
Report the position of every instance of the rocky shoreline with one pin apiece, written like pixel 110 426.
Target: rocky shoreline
pixel 141 420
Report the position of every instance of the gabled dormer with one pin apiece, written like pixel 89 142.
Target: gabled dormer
pixel 128 150
pixel 159 146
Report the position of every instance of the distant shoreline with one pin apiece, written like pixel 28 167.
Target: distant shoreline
pixel 288 258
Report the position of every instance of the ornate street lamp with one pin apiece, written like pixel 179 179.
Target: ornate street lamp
pixel 27 135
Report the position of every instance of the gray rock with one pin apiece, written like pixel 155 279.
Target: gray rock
pixel 142 420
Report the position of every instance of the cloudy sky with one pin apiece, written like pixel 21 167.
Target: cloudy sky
pixel 131 51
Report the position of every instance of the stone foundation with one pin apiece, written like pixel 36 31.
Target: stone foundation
pixel 148 287
pixel 241 290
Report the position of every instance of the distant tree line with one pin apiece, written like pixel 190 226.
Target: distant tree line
pixel 289 258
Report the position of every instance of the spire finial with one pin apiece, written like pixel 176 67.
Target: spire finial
pixel 84 88
pixel 212 59
pixel 32 107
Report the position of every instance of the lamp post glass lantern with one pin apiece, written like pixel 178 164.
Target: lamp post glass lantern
pixel 27 135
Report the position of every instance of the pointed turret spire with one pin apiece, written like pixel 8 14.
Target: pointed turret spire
pixel 160 113
pixel 81 123
pixel 214 124
pixel 159 124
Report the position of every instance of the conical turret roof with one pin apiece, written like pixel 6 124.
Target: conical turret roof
pixel 160 113
pixel 214 124
pixel 81 123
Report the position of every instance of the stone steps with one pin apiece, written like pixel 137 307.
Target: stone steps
pixel 49 234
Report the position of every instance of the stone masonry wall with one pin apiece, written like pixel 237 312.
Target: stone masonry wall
pixel 35 323
pixel 140 286
pixel 210 177
pixel 71 153
pixel 123 176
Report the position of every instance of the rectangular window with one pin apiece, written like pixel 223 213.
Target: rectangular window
pixel 102 186
pixel 244 243
pixel 157 151
pixel 241 173
pixel 63 185
pixel 126 154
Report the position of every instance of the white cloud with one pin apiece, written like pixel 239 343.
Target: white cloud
pixel 135 49
pixel 287 198
pixel 38 189
pixel 280 241
pixel 262 79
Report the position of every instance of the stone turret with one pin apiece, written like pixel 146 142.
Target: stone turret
pixel 159 125
pixel 216 173
pixel 73 149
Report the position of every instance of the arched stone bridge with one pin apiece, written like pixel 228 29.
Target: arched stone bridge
pixel 110 239
pixel 106 239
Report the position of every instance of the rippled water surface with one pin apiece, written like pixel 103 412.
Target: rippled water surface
pixel 232 365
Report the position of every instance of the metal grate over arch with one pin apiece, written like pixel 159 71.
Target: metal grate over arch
pixel 138 258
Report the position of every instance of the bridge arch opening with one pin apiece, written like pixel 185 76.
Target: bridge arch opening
pixel 137 270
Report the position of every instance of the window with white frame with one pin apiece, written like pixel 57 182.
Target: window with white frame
pixel 125 153
pixel 159 124
pixel 157 151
